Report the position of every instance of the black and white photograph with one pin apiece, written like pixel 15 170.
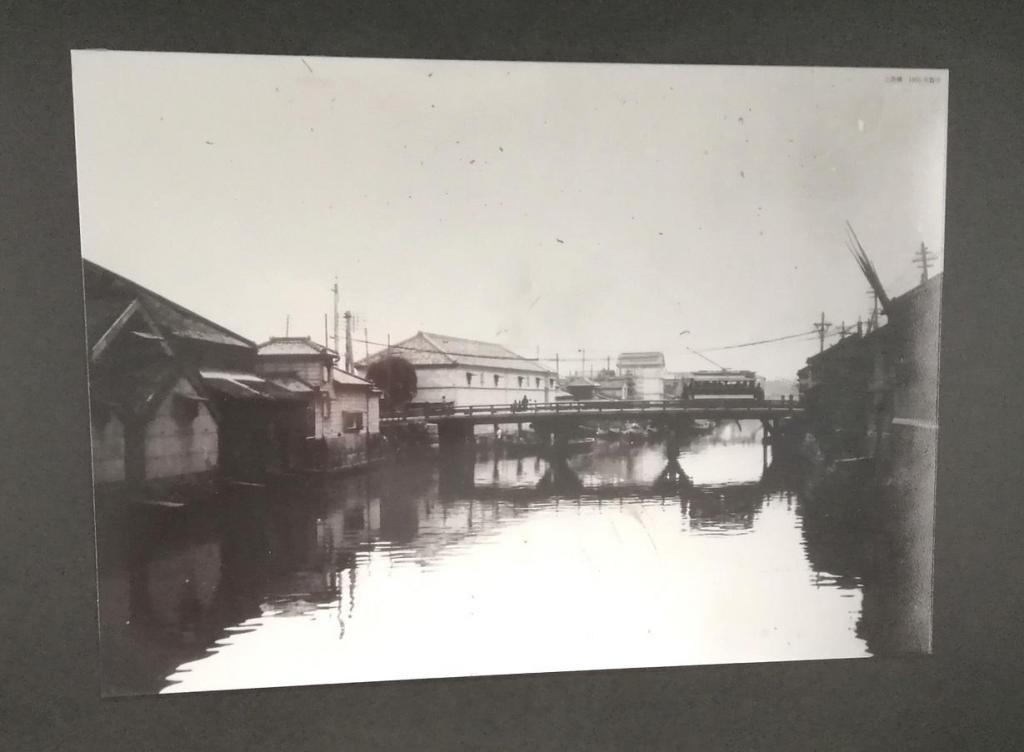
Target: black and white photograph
pixel 409 369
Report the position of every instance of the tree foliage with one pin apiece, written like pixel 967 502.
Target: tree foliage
pixel 396 377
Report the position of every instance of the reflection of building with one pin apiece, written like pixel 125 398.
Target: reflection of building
pixel 469 372
pixel 647 369
pixel 875 395
pixel 342 409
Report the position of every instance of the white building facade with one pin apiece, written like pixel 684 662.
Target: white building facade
pixel 469 372
pixel 647 370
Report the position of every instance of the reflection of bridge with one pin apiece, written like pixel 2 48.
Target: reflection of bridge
pixel 554 421
pixel 457 479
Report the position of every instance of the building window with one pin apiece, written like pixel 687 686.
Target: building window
pixel 496 379
pixel 469 379
pixel 538 383
pixel 351 422
pixel 551 383
pixel 520 381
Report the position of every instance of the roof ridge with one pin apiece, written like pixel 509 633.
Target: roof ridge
pixel 427 336
pixel 289 374
pixel 166 301
pixel 353 375
pixel 478 342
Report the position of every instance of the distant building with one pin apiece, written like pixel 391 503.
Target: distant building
pixel 468 372
pixel 672 384
pixel 647 370
pixel 342 409
pixel 580 388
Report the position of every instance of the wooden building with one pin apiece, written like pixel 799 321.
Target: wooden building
pixel 342 409
pixel 176 402
pixel 875 394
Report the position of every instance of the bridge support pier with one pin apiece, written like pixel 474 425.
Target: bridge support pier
pixel 558 477
pixel 457 457
pixel 673 477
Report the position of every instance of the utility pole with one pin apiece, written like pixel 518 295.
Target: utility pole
pixel 287 322
pixel 335 291
pixel 821 327
pixel 924 258
pixel 583 366
pixel 873 318
pixel 326 340
pixel 348 341
pixel 558 370
pixel 366 341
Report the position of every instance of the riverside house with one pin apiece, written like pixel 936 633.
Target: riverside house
pixel 343 411
pixel 180 405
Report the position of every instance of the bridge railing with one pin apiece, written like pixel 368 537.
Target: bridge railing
pixel 609 407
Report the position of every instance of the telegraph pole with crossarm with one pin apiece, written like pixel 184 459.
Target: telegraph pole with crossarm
pixel 821 327
pixel 923 259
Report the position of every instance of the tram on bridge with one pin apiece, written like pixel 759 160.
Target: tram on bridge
pixel 723 384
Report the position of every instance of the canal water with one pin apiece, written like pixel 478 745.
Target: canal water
pixel 383 576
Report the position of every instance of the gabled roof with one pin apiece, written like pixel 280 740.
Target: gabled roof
pixel 292 346
pixel 344 378
pixel 428 349
pixel 578 381
pixel 641 360
pixel 292 383
pixel 108 295
pixel 247 386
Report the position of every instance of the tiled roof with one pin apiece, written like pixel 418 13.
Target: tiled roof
pixel 108 294
pixel 246 386
pixel 575 381
pixel 293 346
pixel 426 348
pixel 291 382
pixel 344 378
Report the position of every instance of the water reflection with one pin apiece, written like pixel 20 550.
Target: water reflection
pixel 392 575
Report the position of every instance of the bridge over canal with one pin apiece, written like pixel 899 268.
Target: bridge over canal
pixel 556 420
pixel 554 423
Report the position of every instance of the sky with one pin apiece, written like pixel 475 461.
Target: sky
pixel 551 207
